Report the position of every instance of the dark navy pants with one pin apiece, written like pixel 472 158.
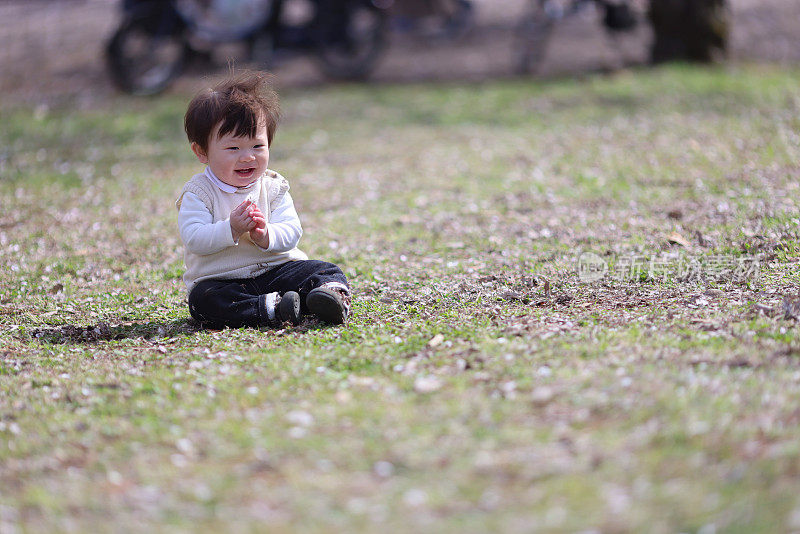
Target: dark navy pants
pixel 241 302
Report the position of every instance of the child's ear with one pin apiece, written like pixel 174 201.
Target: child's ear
pixel 198 151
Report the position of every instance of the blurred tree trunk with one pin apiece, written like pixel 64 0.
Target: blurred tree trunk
pixel 694 30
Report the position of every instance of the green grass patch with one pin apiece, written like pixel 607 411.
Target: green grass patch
pixel 481 385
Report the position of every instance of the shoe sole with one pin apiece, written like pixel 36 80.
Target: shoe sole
pixel 289 307
pixel 325 306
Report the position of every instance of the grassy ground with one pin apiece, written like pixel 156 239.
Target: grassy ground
pixel 481 384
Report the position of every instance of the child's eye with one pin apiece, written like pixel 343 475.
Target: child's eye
pixel 232 148
pixel 258 146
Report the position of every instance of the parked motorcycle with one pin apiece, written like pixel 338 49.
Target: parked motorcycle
pixel 156 39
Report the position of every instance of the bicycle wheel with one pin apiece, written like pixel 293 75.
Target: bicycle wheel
pixel 148 50
pixel 351 36
pixel 531 37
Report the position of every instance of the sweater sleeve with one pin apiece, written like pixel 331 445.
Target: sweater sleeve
pixel 284 226
pixel 199 232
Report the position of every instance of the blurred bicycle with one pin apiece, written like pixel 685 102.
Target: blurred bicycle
pixel 534 30
pixel 156 39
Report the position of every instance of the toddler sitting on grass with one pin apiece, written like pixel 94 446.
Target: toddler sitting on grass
pixel 238 223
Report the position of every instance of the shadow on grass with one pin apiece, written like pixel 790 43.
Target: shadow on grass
pixel 71 334
pixel 152 330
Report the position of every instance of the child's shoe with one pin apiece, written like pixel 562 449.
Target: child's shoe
pixel 283 308
pixel 330 302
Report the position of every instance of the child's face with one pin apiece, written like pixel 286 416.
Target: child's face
pixel 237 161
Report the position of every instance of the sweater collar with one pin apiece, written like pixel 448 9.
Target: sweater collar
pixel 226 188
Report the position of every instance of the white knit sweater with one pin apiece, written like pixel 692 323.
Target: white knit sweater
pixel 210 252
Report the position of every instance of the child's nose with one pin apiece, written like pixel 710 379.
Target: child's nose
pixel 246 156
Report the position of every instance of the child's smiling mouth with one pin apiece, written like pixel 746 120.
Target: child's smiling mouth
pixel 245 173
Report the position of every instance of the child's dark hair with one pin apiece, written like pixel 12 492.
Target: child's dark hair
pixel 238 104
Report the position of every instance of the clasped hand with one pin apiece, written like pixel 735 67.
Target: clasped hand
pixel 247 218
